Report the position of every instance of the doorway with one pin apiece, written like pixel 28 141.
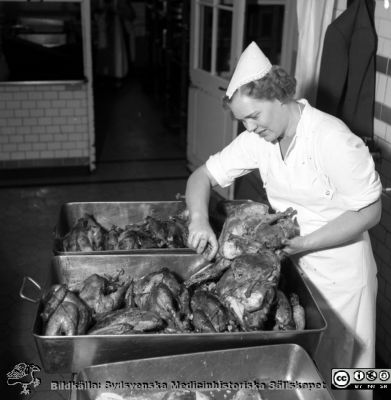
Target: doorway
pixel 141 79
pixel 220 30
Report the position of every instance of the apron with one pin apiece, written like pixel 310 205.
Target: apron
pixel 342 279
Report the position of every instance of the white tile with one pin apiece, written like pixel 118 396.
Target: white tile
pixel 13 104
pixel 47 154
pixel 50 95
pixel 61 153
pixel 58 103
pixel 6 113
pixel 67 128
pixel 9 130
pixel 54 146
pixel 15 122
pixel 22 113
pixel 24 130
pixel 21 96
pixel 37 112
pixel 58 88
pixel 387 134
pixel 379 128
pixel 6 96
pixel 52 112
pixel 16 139
pixel 387 26
pixel 35 95
pixel 381 85
pixel 18 155
pixel 32 154
pixel 73 104
pixel 65 95
pixel 75 153
pixel 80 95
pixel 47 138
pixel 43 104
pixel 387 48
pixel 28 104
pixel 380 46
pixel 30 121
pixel 66 112
pixel 5 156
pixel 39 146
pixel 37 129
pixel 45 121
pixel 69 146
pixel 380 11
pixel 53 129
pixel 387 97
pixel 61 137
pixel 382 28
pixel 9 147
pixel 81 111
pixel 59 120
pixel 76 137
pixel 25 146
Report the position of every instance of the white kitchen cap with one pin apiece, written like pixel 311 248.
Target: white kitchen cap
pixel 252 65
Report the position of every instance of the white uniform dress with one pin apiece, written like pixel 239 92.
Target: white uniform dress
pixel 326 171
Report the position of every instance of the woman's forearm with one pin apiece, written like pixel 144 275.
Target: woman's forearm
pixel 344 228
pixel 198 194
pixel 201 236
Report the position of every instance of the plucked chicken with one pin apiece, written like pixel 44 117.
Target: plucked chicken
pixel 88 235
pixel 209 314
pixel 128 320
pixel 249 286
pixel 249 228
pixel 102 294
pixel 162 293
pixel 65 313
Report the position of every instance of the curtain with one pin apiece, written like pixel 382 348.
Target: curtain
pixel 313 17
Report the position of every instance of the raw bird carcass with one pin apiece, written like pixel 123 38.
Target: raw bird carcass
pixel 248 266
pixel 249 228
pixel 88 235
pixel 243 299
pixel 240 291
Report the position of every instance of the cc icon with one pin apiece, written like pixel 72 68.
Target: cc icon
pixel 384 375
pixel 371 375
pixel 359 375
pixel 341 378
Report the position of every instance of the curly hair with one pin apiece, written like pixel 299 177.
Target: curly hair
pixel 276 84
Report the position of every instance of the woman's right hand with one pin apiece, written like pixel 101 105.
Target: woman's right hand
pixel 202 238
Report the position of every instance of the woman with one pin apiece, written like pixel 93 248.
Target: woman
pixel 310 161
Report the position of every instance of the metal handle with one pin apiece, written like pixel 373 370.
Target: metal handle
pixel 36 284
pixel 179 196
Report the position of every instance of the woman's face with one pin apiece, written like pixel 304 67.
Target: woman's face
pixel 264 117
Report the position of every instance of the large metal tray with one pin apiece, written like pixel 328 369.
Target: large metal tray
pixel 121 214
pixel 284 365
pixel 72 353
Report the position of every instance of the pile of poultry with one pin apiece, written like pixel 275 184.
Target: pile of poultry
pixel 240 291
pixel 88 235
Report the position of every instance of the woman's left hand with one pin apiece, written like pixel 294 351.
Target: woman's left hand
pixel 294 245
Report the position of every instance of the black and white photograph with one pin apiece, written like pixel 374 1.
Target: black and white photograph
pixel 196 199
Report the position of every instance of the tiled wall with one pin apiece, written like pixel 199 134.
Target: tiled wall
pixel 44 125
pixel 381 235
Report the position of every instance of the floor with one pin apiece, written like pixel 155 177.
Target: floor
pixel 138 160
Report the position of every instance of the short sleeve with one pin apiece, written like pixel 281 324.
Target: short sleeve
pixel 349 167
pixel 237 159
